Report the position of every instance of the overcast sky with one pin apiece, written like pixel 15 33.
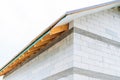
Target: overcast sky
pixel 23 20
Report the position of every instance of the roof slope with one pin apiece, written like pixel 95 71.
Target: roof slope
pixel 53 31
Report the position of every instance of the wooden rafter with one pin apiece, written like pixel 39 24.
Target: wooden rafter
pixel 49 37
pixel 59 29
pixel 54 32
pixel 41 43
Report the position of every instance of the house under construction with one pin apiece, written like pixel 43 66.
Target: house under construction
pixel 83 44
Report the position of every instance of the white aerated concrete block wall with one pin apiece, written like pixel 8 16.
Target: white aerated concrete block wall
pixel 94 54
pixel 54 60
pixel 82 77
pixel 70 77
pixel 91 52
pixel 105 23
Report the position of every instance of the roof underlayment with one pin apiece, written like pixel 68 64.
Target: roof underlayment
pixel 54 31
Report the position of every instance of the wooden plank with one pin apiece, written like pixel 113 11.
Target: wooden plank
pixel 34 49
pixel 1 73
pixel 59 29
pixel 41 43
pixel 50 37
pixel 7 70
pixel 28 54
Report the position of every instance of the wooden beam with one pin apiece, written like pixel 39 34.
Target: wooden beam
pixel 59 29
pixel 28 54
pixel 50 37
pixel 41 43
pixel 1 73
pixel 33 49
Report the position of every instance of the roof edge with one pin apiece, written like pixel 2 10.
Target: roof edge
pixel 93 7
pixel 33 41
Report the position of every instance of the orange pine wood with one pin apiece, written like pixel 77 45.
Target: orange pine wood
pixel 55 32
pixel 59 29
pixel 49 37
pixel 41 43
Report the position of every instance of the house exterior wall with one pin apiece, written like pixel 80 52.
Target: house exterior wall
pixel 54 60
pixel 97 45
pixel 91 52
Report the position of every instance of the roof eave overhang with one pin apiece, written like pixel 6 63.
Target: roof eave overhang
pixel 65 19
